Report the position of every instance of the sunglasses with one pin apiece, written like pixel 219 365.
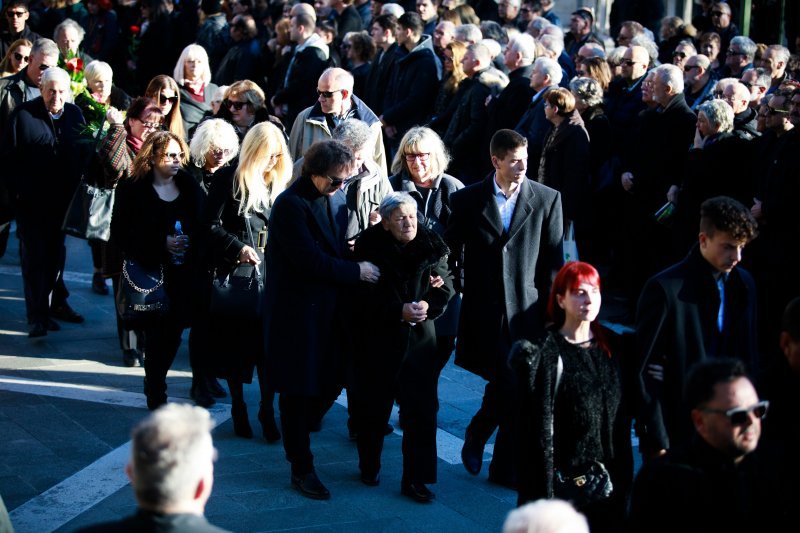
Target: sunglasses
pixel 687 68
pixel 628 62
pixel 174 156
pixel 236 105
pixel 16 14
pixel 740 416
pixel 20 57
pixel 338 182
pixel 43 67
pixel 328 94
pixel 171 99
pixel 411 157
pixel 682 55
pixel 734 53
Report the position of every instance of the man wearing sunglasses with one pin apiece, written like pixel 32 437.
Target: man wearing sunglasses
pixel 721 24
pixel 739 57
pixel 16 27
pixel 24 85
pixel 698 82
pixel 715 482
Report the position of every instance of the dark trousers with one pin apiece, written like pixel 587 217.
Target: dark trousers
pixel 163 340
pixel 129 338
pixel 299 414
pixel 42 255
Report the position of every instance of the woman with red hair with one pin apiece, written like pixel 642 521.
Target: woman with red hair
pixel 571 402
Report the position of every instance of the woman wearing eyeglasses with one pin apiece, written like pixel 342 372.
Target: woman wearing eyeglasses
pixel 571 402
pixel 244 107
pixel 17 57
pixel 164 90
pixel 237 214
pixel 112 164
pixel 147 210
pixel 193 73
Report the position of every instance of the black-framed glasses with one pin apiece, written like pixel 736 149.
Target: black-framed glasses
pixel 171 99
pixel 174 156
pixel 16 14
pixel 687 68
pixel 236 105
pixel 740 416
pixel 20 57
pixel 733 53
pixel 628 62
pixel 411 157
pixel 338 182
pixel 328 94
pixel 682 55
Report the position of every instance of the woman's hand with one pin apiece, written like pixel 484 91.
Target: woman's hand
pixel 415 312
pixel 698 139
pixel 248 255
pixel 114 116
pixel 436 281
pixel 177 244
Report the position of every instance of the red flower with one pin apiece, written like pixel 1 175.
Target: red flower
pixel 74 64
pixel 135 30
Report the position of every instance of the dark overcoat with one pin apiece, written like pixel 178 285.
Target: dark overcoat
pixel 307 277
pixel 503 275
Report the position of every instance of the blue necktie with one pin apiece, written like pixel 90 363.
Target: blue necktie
pixel 721 312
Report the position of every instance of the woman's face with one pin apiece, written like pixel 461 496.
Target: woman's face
pixel 20 58
pixel 142 128
pixel 418 159
pixel 448 60
pixel 704 126
pixel 216 157
pixel 581 304
pixel 168 162
pixel 241 111
pixel 101 87
pixel 167 100
pixel 710 49
pixel 193 68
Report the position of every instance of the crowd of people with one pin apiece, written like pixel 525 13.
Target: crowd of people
pixel 401 181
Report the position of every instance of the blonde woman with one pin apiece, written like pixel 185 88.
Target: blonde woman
pixel 237 212
pixel 165 91
pixel 193 75
pixel 17 58
pixel 99 84
pixel 447 100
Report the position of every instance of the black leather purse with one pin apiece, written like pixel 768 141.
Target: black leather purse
pixel 238 293
pixel 141 294
pixel 584 485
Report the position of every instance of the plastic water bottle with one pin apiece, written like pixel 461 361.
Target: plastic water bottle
pixel 177 258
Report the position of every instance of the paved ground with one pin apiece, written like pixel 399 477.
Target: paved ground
pixel 67 405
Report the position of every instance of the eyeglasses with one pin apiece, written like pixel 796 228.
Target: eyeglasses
pixel 628 62
pixel 328 94
pixel 16 14
pixel 20 57
pixel 174 156
pixel 171 99
pixel 687 68
pixel 682 55
pixel 151 125
pixel 221 152
pixel 773 111
pixel 43 67
pixel 411 157
pixel 236 105
pixel 740 416
pixel 338 182
pixel 734 53
pixel 718 13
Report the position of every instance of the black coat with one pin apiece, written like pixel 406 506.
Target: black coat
pixel 506 110
pixel 676 327
pixel 307 280
pixel 535 127
pixel 377 82
pixel 412 88
pixel 300 89
pixel 192 111
pixel 623 105
pixel 502 274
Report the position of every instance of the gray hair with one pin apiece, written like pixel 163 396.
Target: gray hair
pixel 419 139
pixel 393 200
pixel 170 452
pixel 69 24
pixel 46 47
pixel 539 24
pixel 689 44
pixel 719 114
pixel 545 516
pixel 393 9
pixel 745 45
pixel 647 44
pixel 341 76
pixel 587 90
pixel 523 44
pixel 552 43
pixel 615 55
pixel 210 134
pixel 54 74
pixel 468 34
pixel 549 67
pixel 96 69
pixel 354 133
pixel 554 30
pixel 781 52
pixel 481 52
pixel 492 47
pixel 597 50
pixel 763 77
pixel 192 51
pixel 670 75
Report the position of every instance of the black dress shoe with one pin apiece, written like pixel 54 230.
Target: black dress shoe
pixel 199 393
pixel 52 325
pixel 130 358
pixel 37 330
pixel 310 486
pixel 371 480
pixel 472 454
pixel 417 492
pixel 214 388
pixel 67 314
pixel 269 429
pixel 241 424
pixel 99 284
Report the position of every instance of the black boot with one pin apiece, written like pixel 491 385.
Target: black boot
pixel 200 393
pixel 269 429
pixel 241 424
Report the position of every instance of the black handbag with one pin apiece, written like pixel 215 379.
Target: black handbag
pixel 89 213
pixel 584 485
pixel 141 294
pixel 238 292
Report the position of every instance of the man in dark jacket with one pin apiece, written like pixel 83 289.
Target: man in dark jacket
pixel 534 126
pixel 16 13
pixel 580 32
pixel 624 100
pixel 347 19
pixel 414 81
pixel 504 235
pixel 700 308
pixel 383 31
pixel 507 108
pixel 305 309
pixel 41 146
pixel 24 85
pixel 243 60
pixel 214 33
pixel 737 95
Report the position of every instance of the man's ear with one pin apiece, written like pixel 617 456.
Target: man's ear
pixel 129 472
pixel 200 489
pixel 345 94
pixel 494 162
pixel 697 420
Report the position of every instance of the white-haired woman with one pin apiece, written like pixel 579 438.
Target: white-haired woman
pixel 193 74
pixel 214 145
pixel 100 86
pixel 237 215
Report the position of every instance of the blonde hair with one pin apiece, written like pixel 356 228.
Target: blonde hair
pixel 95 70
pixel 193 51
pixel 212 134
pixel 251 92
pixel 5 65
pixel 153 147
pixel 458 49
pixel 173 121
pixel 416 140
pixel 254 185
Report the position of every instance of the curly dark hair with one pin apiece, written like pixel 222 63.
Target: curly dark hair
pixel 325 157
pixel 725 214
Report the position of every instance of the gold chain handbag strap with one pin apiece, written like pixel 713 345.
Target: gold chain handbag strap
pixel 139 289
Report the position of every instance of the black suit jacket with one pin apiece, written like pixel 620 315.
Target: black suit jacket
pixel 504 274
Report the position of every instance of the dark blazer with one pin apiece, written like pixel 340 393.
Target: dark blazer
pixel 306 279
pixel 507 108
pixel 535 127
pixel 300 90
pixel 623 105
pixel 502 273
pixel 676 327
pixel 377 82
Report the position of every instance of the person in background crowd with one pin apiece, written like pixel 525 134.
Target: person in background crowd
pixel 758 80
pixel 158 44
pixel 722 25
pixel 775 59
pixel 244 107
pixel 244 57
pixel 597 69
pixel 101 89
pixel 684 50
pixel 17 58
pixel 16 14
pixel 102 29
pixel 345 18
pixel 449 95
pixel 739 57
pixel 546 76
pixel 383 31
pixel 736 95
pixel 214 34
pixel 507 108
pixel 360 51
pixel 427 12
pixel 193 74
pixel 698 80
pixel 442 36
pixel 165 91
pixel 24 85
pixel 580 32
pixel 69 36
pixel 709 45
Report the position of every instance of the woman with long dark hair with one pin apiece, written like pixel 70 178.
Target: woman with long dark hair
pixel 164 90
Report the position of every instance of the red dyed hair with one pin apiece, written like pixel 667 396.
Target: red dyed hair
pixel 570 277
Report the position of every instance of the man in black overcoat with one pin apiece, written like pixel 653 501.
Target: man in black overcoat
pixel 505 236
pixel 305 310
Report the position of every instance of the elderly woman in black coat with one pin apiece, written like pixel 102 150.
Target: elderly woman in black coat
pixel 396 356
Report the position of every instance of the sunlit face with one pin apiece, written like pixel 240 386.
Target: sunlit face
pixel 721 250
pixel 716 428
pixel 578 25
pixel 20 58
pixel 735 59
pixel 331 95
pixel 647 89
pixel 511 168
pixel 167 98
pixel 661 91
pixel 38 64
pixel 680 55
pixel 691 71
pixel 335 180
pixel 378 34
pixel 142 128
pixel 68 41
pixel 710 49
pixel 242 112
pixel 167 163
pixel 54 94
pixel 508 9
pixel 418 159
pixel 720 16
pixel 580 304
pixel 426 10
pixel 538 79
pixel 510 57
pixel 402 223
pixel 216 157
pixel 194 68
pixel 771 63
pixel 295 31
pixel 17 17
pixel 469 63
pixel 101 87
pixel 442 35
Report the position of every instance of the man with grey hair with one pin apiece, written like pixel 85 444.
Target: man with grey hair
pixel 24 85
pixel 533 125
pixel 466 134
pixel 68 36
pixel 698 82
pixel 775 58
pixel 335 104
pixel 537 26
pixel 171 471
pixel 683 51
pixel 506 110
pixel 468 34
pixel 443 35
pixel 737 96
pixel 739 56
pixel 758 80
pixel 45 159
